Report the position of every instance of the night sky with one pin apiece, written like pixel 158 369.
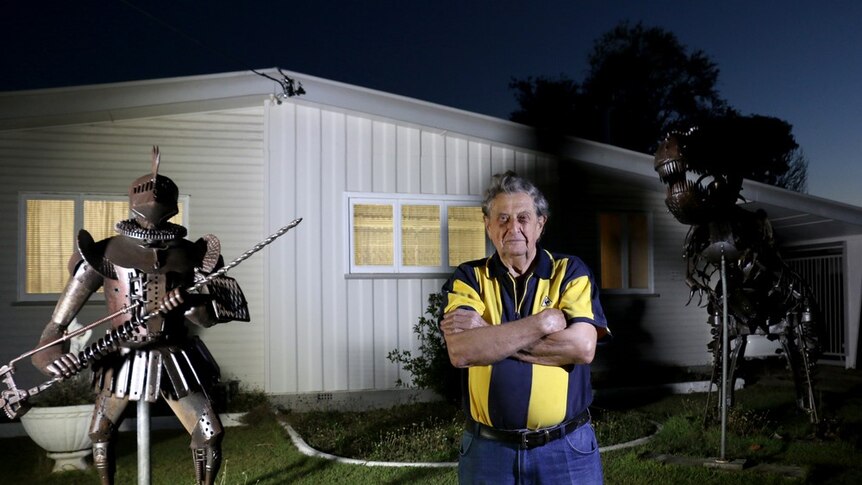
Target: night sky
pixel 798 61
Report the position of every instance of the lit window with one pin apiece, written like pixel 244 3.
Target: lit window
pixel 374 234
pixel 420 235
pixel 101 215
pixel 466 234
pixel 626 251
pixel 49 236
pixel 393 233
pixel 50 240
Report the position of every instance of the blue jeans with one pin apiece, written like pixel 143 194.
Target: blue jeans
pixel 573 458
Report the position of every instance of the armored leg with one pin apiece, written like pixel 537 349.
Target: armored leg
pixel 196 414
pixel 103 429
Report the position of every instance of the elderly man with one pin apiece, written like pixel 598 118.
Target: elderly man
pixel 524 324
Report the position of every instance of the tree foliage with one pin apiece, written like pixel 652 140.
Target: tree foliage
pixel 796 176
pixel 641 84
pixel 547 104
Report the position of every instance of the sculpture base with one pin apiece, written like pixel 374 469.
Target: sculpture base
pixel 71 460
pixel 726 464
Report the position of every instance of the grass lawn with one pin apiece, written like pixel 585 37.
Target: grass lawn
pixel 764 428
pixel 260 453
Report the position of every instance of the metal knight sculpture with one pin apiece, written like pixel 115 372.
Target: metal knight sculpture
pixel 766 299
pixel 147 270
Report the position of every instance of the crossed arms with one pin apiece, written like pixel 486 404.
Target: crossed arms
pixel 542 338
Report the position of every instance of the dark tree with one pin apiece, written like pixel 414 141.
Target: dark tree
pixel 551 106
pixel 641 84
pixel 547 104
pixel 796 176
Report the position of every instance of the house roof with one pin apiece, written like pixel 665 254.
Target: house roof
pixel 796 217
pixel 799 217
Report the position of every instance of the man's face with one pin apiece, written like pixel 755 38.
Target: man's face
pixel 513 226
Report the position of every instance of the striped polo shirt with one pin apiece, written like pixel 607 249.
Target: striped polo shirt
pixel 512 394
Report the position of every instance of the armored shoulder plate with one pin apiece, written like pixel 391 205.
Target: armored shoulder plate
pixel 94 254
pixel 228 300
pixel 211 248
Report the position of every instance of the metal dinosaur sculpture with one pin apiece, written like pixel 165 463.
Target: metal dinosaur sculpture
pixel 766 300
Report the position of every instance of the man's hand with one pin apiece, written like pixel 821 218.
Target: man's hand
pixel 459 320
pixel 486 344
pixel 553 320
pixel 574 345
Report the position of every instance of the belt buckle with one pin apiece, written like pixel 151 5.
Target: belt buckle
pixel 542 438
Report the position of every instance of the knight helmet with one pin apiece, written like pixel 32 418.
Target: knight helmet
pixel 153 197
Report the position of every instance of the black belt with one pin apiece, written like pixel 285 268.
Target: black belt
pixel 530 438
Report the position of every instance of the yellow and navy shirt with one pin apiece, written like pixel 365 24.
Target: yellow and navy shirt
pixel 513 394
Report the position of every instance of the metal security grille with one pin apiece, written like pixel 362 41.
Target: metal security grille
pixel 823 268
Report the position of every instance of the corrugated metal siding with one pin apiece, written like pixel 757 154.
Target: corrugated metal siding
pixel 216 158
pixel 327 332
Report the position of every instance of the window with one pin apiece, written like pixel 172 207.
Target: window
pixel 394 233
pixel 466 234
pixel 48 236
pixel 626 251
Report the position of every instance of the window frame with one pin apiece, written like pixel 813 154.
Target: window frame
pixel 78 199
pixel 624 252
pixel 444 202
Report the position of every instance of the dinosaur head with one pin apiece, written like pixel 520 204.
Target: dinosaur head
pixel 701 185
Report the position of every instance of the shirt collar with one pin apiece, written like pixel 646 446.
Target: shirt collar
pixel 496 269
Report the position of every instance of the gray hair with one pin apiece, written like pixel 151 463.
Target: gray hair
pixel 511 183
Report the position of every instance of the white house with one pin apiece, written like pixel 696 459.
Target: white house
pixel 331 298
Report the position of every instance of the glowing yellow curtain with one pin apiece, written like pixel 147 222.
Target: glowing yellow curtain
pixel 420 235
pixel 100 216
pixel 466 234
pixel 373 234
pixel 50 242
pixel 178 219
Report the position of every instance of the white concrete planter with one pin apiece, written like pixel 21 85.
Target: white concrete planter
pixel 62 432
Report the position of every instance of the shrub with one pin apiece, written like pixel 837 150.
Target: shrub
pixel 73 391
pixel 430 369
